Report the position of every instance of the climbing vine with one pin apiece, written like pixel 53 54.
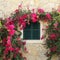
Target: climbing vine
pixel 12 46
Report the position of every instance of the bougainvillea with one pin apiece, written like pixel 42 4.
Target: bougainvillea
pixel 11 45
pixel 53 38
pixel 10 42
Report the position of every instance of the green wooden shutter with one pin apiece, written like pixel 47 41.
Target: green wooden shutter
pixel 32 31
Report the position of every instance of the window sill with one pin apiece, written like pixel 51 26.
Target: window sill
pixel 41 34
pixel 34 41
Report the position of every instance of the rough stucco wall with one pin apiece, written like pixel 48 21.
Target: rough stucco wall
pixel 36 50
pixel 8 6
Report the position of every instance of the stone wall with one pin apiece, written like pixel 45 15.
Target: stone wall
pixel 36 50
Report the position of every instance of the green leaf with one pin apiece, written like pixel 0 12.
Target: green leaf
pixel 0 24
pixel 0 39
pixel 1 58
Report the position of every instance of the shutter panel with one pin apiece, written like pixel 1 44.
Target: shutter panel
pixel 36 34
pixel 27 34
pixel 32 31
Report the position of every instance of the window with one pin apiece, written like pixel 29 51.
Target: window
pixel 32 31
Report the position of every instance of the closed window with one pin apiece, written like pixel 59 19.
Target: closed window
pixel 32 31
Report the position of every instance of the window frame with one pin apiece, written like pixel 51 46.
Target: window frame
pixel 41 33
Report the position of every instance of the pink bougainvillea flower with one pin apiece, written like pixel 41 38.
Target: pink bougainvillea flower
pixel 58 10
pixel 33 10
pixel 47 27
pixel 8 18
pixel 20 6
pixel 9 40
pixel 14 55
pixel 9 21
pixel 11 49
pixel 23 25
pixel 53 36
pixel 10 27
pixel 7 45
pixel 34 17
pixel 21 20
pixel 28 7
pixel 17 10
pixel 4 41
pixel 55 24
pixel 53 49
pixel 25 49
pixel 48 16
pixel 11 32
pixel 18 38
pixel 17 50
pixel 40 10
pixel 6 51
pixel 42 37
pixel 24 16
pixel 21 28
pixel 24 43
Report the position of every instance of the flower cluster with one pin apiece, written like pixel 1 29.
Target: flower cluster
pixel 11 44
pixel 53 38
